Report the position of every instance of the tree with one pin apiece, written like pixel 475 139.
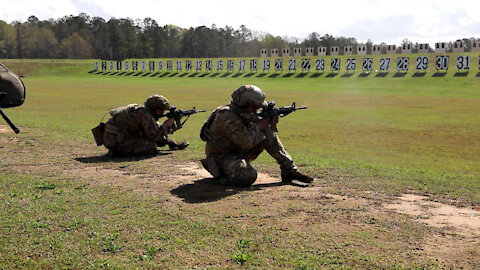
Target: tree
pixel 75 47
pixel 7 40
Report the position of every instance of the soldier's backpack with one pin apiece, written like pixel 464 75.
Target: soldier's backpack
pixel 124 118
pixel 205 131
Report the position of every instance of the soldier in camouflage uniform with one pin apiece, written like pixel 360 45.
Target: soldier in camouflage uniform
pixel 235 137
pixel 133 129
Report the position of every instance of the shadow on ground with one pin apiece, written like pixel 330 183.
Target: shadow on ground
pixel 105 158
pixel 204 190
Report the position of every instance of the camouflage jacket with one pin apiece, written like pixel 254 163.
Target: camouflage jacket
pixel 230 133
pixel 143 125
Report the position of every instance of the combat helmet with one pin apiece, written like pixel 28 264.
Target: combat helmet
pixel 155 102
pixel 249 94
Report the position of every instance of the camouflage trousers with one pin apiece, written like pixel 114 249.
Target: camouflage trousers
pixel 235 169
pixel 128 145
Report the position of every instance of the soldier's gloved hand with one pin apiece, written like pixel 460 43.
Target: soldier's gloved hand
pixel 170 124
pixel 263 123
pixel 275 119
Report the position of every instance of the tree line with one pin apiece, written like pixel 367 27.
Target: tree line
pixel 84 37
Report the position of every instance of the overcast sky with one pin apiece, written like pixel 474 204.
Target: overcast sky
pixel 379 20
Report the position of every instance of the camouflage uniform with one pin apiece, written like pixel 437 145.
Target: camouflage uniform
pixel 140 137
pixel 233 143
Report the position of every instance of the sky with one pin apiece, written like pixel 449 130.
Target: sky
pixel 423 21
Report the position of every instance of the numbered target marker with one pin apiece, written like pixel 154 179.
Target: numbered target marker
pixel 335 64
pixel 230 65
pixel 241 65
pixel 320 64
pixel 351 64
pixel 134 65
pixel 292 65
pixel 127 65
pixel 178 65
pixel 219 65
pixel 104 66
pixel 143 66
pixel 160 65
pixel 384 64
pixel 367 64
pixel 95 65
pixel 253 65
pixel 463 62
pixel 119 66
pixel 402 63
pixel 441 63
pixel 198 65
pixel 169 65
pixel 305 64
pixel 188 65
pixel 266 65
pixel 421 63
pixel 208 65
pixel 151 65
pixel 111 65
pixel 278 64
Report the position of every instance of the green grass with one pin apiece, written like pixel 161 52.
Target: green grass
pixel 383 135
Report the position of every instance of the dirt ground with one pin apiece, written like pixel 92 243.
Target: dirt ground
pixel 452 234
pixel 455 233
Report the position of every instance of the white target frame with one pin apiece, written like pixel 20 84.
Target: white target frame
pixel 241 65
pixel 335 64
pixel 351 64
pixel 421 63
pixel 320 64
pixel 306 64
pixel 403 64
pixel 441 62
pixel 367 64
pixel 278 65
pixel 463 62
pixel 384 64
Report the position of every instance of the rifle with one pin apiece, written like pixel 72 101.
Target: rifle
pixel 271 112
pixel 175 114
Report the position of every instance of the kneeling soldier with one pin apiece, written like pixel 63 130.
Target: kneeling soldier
pixel 235 137
pixel 133 129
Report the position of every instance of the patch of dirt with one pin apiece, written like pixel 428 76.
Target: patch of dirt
pixel 5 129
pixel 463 221
pixel 459 228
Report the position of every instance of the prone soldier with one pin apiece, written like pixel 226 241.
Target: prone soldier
pixel 134 130
pixel 235 136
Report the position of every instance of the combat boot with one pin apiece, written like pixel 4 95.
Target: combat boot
pixel 290 175
pixel 173 145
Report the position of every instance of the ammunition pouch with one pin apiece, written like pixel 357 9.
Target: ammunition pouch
pixel 98 133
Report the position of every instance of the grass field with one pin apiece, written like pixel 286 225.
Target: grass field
pixel 365 139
